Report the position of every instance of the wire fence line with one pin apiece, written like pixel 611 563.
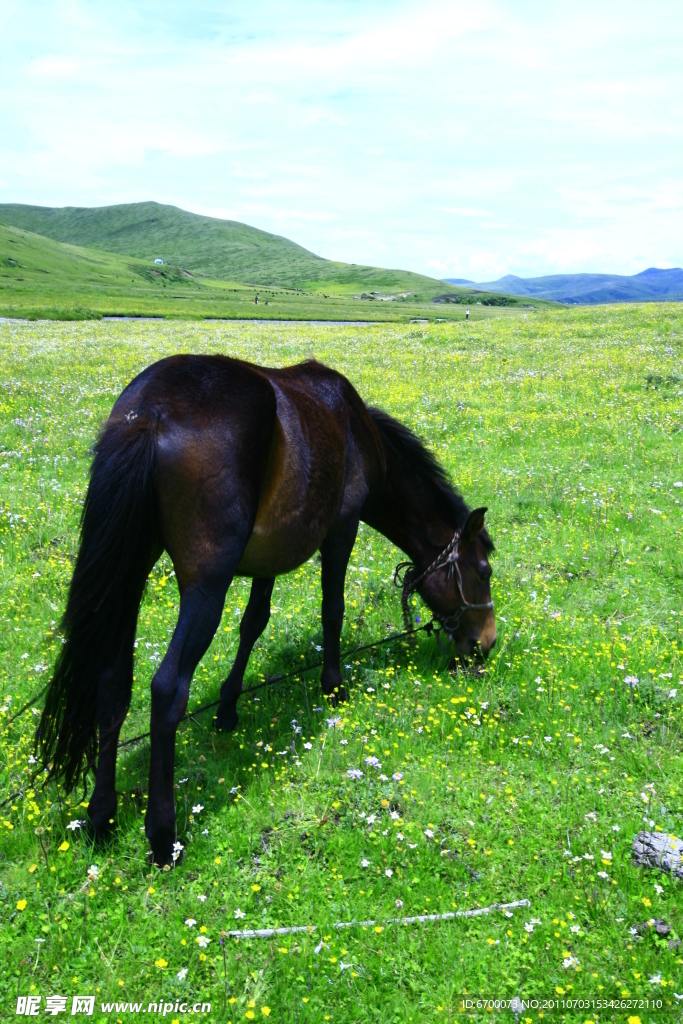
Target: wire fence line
pixel 428 627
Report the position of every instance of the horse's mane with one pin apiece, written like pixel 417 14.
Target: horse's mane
pixel 420 460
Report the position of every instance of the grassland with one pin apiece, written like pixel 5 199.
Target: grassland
pixel 526 782
pixel 74 263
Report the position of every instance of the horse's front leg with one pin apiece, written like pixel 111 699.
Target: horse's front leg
pixel 335 552
pixel 201 607
pixel 254 621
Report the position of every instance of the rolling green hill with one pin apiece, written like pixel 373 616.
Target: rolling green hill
pixel 209 247
pixel 78 261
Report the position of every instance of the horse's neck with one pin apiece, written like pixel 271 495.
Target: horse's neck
pixel 404 510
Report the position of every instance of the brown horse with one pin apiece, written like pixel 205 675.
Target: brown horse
pixel 236 469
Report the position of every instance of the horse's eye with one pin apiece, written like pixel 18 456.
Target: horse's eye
pixel 485 574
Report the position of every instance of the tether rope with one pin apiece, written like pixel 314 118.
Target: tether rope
pixel 273 681
pixel 280 678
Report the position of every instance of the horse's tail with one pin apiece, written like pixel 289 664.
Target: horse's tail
pixel 118 529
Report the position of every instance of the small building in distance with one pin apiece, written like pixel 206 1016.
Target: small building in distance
pixel 159 262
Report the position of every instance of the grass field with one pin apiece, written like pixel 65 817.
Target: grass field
pixel 81 263
pixel 526 782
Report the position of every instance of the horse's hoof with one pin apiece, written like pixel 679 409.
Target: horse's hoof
pixel 162 853
pixel 100 832
pixel 337 696
pixel 226 723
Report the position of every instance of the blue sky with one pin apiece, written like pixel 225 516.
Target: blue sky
pixel 457 139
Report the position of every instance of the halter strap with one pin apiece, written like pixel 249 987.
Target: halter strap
pixel 409 583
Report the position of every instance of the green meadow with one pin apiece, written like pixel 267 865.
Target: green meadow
pixel 433 790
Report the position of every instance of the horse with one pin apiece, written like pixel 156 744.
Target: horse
pixel 237 469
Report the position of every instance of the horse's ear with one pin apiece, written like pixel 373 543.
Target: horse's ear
pixel 475 523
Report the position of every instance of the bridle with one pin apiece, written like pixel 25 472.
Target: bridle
pixel 409 583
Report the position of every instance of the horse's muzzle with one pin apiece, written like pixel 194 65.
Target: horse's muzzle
pixel 487 637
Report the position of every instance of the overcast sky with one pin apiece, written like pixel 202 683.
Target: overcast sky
pixel 457 139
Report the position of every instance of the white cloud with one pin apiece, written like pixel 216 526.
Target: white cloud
pixel 480 138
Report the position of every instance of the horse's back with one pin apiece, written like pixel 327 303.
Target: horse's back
pixel 274 455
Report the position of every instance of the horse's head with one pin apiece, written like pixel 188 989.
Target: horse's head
pixel 459 590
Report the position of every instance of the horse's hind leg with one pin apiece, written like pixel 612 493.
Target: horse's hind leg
pixel 201 606
pixel 254 621
pixel 335 552
pixel 113 698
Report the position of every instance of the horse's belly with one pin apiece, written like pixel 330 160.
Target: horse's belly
pixel 277 551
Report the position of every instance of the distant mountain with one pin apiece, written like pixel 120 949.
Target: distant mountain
pixel 652 285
